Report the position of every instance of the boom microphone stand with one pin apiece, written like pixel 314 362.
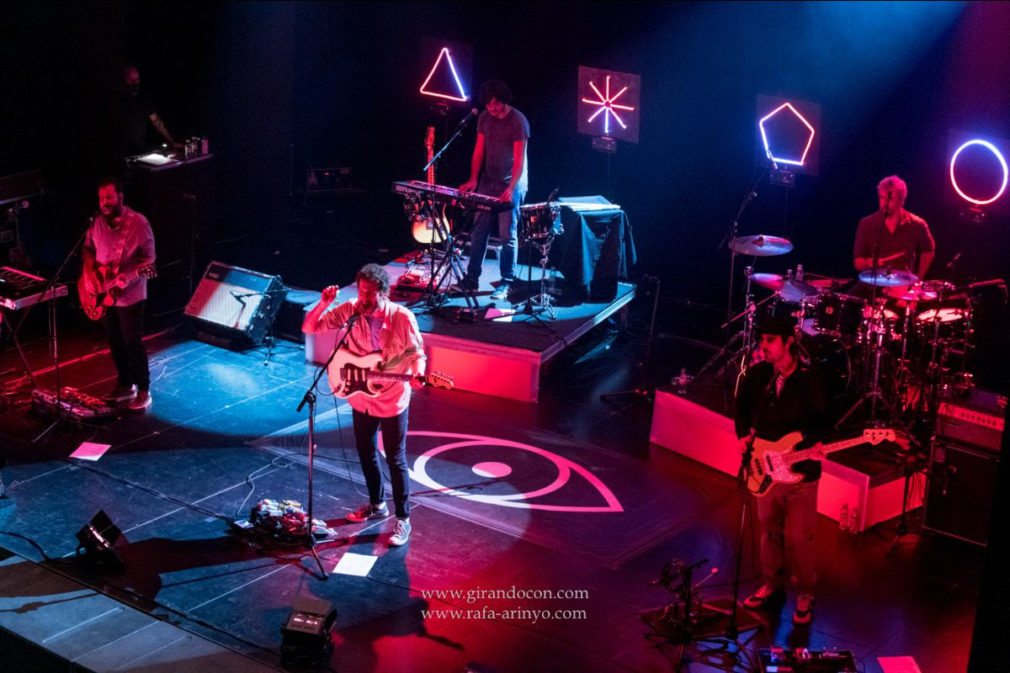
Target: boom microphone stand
pixel 310 398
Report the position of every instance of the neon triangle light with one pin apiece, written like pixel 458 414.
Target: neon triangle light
pixel 459 94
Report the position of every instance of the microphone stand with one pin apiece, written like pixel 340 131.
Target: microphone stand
pixel 731 234
pixel 53 337
pixel 459 129
pixel 310 398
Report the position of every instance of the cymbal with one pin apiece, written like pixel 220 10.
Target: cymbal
pixel 772 281
pixel 888 278
pixel 760 245
pixel 796 290
pixel 916 292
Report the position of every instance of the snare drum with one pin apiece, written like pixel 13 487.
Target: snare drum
pixel 947 324
pixel 837 315
pixel 539 221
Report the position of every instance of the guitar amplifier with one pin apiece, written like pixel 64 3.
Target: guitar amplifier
pixel 235 307
pixel 976 418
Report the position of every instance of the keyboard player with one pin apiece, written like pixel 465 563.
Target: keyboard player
pixel 498 168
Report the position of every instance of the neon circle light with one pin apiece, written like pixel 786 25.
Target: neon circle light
pixel 999 156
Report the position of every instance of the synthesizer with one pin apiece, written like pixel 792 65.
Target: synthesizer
pixel 19 289
pixel 448 195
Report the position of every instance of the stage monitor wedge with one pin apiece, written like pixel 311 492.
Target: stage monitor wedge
pixel 235 307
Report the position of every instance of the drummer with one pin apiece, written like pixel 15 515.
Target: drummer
pixel 901 239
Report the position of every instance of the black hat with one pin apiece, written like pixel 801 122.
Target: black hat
pixel 776 324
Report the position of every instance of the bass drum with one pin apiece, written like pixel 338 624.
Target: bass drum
pixel 830 359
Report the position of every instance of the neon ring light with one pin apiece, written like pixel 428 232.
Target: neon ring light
pixel 1006 173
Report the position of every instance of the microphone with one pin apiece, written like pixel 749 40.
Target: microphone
pixel 554 195
pixel 953 261
pixel 466 120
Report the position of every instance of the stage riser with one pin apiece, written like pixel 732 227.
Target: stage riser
pixel 709 438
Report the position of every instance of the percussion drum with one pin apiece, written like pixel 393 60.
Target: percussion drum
pixel 838 315
pixel 948 324
pixel 539 221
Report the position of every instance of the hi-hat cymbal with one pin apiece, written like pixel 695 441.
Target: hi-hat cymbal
pixel 760 245
pixel 772 281
pixel 888 278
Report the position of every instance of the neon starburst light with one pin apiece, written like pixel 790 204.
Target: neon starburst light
pixel 607 105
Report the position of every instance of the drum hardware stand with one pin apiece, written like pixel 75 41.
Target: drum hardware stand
pixel 745 336
pixel 874 394
pixel 542 302
pixel 731 234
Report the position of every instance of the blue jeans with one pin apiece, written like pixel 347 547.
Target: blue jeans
pixel 508 230
pixel 394 441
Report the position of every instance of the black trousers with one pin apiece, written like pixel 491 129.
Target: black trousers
pixel 124 327
pixel 394 441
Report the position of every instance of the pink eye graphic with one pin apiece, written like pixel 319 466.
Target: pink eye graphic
pixel 502 463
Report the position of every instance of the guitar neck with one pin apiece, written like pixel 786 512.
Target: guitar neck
pixel 805 454
pixel 384 377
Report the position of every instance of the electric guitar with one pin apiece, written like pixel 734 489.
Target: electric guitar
pixel 771 462
pixel 99 289
pixel 424 230
pixel 351 375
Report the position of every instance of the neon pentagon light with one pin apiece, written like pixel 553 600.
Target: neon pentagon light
pixel 606 104
pixel 999 156
pixel 444 54
pixel 764 135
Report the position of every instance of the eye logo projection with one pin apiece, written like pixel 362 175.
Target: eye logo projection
pixel 522 462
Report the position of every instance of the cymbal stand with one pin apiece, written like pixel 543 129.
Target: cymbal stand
pixel 745 336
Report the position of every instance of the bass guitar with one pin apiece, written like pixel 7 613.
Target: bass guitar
pixel 351 375
pixel 771 462
pixel 99 289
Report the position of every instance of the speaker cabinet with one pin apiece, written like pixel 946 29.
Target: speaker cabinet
pixel 235 307
pixel 959 497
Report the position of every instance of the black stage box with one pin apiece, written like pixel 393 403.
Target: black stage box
pixel 235 307
pixel 960 490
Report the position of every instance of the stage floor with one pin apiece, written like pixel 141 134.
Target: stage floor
pixel 511 501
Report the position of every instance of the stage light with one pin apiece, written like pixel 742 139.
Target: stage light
pixel 96 544
pixel 782 137
pixel 306 632
pixel 448 84
pixel 608 105
pixel 787 138
pixel 978 199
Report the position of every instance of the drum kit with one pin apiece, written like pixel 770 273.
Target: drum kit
pixel 889 342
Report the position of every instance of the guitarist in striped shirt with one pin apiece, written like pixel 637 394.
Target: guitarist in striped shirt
pixel 777 396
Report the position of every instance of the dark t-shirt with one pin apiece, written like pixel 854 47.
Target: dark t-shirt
pixel 911 237
pixel 499 138
pixel 136 113
pixel 799 407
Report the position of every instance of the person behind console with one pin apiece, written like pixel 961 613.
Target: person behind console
pixel 378 325
pixel 777 396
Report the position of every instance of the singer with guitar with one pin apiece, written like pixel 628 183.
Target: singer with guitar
pixel 375 324
pixel 776 397
pixel 117 258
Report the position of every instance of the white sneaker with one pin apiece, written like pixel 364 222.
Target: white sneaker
pixel 401 533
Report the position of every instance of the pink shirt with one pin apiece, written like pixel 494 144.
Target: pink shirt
pixel 402 353
pixel 123 248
